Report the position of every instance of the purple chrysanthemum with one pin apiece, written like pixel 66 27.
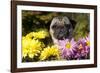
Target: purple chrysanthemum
pixel 83 48
pixel 67 48
pixel 72 50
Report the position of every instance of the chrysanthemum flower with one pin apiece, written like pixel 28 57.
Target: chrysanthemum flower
pixel 35 48
pixel 41 34
pixel 50 53
pixel 29 35
pixel 83 48
pixel 67 48
pixel 31 47
pixel 25 46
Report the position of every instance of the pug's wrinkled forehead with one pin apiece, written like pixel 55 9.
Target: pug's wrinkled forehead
pixel 60 20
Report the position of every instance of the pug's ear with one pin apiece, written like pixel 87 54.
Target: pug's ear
pixel 73 22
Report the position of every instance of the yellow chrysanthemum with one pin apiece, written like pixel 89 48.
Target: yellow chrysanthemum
pixel 25 46
pixel 29 35
pixel 41 34
pixel 49 52
pixel 31 47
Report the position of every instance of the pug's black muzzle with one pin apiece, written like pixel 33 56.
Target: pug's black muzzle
pixel 61 33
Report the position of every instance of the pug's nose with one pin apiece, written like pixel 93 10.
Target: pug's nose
pixel 62 30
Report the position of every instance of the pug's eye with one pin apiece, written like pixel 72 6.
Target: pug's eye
pixel 54 26
pixel 68 26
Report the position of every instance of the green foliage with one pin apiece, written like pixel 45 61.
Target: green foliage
pixel 82 26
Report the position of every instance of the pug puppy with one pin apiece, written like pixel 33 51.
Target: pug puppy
pixel 61 28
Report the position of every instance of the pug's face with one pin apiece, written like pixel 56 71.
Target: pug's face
pixel 61 28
